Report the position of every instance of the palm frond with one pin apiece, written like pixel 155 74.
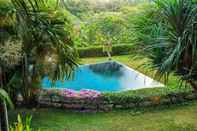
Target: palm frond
pixel 5 97
pixel 179 23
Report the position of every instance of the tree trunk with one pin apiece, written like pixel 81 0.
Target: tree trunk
pixel 25 79
pixel 4 117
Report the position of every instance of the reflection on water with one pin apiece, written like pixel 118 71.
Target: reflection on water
pixel 107 69
pixel 105 77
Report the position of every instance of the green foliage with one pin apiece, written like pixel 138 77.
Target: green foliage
pixel 84 8
pixel 128 25
pixel 46 27
pixel 175 40
pixel 132 24
pixel 94 51
pixel 141 18
pixel 5 97
pixel 23 126
pixel 104 27
pixel 78 7
pixel 141 95
pixel 38 31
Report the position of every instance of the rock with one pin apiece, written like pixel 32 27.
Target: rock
pixel 146 104
pixel 107 107
pixel 56 99
pixel 118 106
pixel 155 100
pixel 165 101
pixel 191 96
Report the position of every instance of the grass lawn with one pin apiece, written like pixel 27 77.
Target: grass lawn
pixel 173 118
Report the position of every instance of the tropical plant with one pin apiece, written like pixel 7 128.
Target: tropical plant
pixel 175 50
pixel 7 49
pixel 23 126
pixel 45 36
pixel 141 19
pixel 4 98
pixel 33 34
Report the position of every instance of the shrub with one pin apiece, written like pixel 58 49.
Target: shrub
pixel 135 95
pixel 95 51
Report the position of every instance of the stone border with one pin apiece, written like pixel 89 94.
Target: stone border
pixel 104 103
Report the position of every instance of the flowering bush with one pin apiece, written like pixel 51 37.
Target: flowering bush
pixel 69 93
pixel 89 93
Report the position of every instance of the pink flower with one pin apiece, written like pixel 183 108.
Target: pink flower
pixel 89 93
pixel 70 93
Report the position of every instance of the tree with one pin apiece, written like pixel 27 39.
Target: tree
pixel 176 42
pixel 45 32
pixel 39 34
pixel 6 49
pixel 105 26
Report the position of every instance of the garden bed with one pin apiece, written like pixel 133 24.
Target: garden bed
pixel 109 101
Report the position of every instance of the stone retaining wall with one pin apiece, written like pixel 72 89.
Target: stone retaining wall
pixel 104 103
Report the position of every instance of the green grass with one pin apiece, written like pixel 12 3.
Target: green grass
pixel 173 118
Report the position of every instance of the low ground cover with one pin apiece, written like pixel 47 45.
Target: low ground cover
pixel 167 118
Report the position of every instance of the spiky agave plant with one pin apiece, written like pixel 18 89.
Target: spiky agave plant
pixel 177 40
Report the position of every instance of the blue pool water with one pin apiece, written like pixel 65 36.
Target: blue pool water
pixel 105 77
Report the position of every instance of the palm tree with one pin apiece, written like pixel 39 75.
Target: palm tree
pixel 176 46
pixel 42 33
pixel 45 33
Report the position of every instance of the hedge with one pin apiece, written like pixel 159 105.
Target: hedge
pixel 96 51
pixel 123 100
pixel 135 96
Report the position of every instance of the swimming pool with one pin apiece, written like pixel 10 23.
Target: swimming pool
pixel 110 76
